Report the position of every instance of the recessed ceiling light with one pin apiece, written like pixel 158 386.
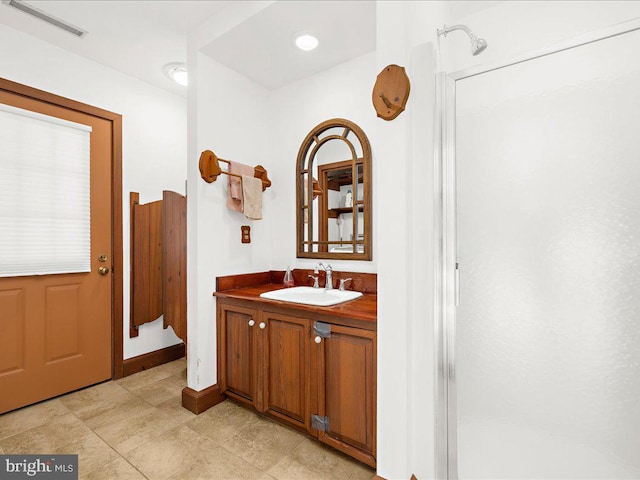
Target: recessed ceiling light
pixel 177 72
pixel 306 42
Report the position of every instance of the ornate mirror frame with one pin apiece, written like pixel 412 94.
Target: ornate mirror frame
pixel 305 194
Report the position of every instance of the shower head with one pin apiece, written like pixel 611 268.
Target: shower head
pixel 478 45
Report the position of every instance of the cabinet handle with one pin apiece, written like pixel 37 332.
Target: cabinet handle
pixel 263 325
pixel 318 339
pixel 252 323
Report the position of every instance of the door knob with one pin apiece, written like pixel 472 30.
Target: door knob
pixel 252 323
pixel 318 339
pixel 263 325
pixel 103 270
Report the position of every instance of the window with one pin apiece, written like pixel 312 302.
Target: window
pixel 44 194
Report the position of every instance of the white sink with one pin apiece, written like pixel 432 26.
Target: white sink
pixel 311 296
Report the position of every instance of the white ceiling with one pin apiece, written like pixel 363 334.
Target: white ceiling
pixel 262 48
pixel 460 9
pixel 139 37
pixel 134 37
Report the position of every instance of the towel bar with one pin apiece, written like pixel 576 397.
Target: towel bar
pixel 210 169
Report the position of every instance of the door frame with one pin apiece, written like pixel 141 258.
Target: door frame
pixel 116 205
pixel 445 255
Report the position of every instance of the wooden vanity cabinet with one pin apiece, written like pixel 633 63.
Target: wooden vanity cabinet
pixel 286 365
pixel 264 360
pixel 238 372
pixel 347 392
pixel 321 381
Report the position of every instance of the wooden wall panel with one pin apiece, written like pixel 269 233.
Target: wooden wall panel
pixel 153 359
pixel 239 353
pixel 146 263
pixel 361 282
pixel 346 363
pixel 63 331
pixel 174 262
pixel 231 282
pixel 198 402
pixel 287 362
pixel 347 386
pixel 155 258
pixel 12 338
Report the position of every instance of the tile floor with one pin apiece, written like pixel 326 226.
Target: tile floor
pixel 136 428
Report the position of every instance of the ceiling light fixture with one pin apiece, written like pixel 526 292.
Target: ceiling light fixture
pixel 306 42
pixel 177 72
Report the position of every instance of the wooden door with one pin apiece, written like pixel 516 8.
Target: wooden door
pixel 159 262
pixel 146 262
pixel 56 330
pixel 237 353
pixel 287 363
pixel 174 262
pixel 347 391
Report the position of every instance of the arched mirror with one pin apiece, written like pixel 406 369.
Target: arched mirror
pixel 333 192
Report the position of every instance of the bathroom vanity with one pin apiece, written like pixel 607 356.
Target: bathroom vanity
pixel 313 368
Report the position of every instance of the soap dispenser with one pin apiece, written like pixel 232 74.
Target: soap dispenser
pixel 288 278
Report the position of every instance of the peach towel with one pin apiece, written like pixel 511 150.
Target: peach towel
pixel 252 193
pixel 234 185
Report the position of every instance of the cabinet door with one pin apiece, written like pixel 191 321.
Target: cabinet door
pixel 287 362
pixel 347 391
pixel 237 348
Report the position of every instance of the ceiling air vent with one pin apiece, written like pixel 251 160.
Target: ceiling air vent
pixel 37 13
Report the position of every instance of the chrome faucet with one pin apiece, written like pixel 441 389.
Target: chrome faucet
pixel 315 281
pixel 328 285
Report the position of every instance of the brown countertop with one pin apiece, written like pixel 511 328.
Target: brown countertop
pixel 361 312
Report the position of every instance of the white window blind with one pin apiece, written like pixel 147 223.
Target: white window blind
pixel 44 194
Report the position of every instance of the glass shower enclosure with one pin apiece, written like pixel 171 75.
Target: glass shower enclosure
pixel 543 219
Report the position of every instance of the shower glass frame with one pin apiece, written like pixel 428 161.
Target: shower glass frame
pixel 446 281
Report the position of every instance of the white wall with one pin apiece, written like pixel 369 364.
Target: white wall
pixel 340 92
pixel 230 119
pixel 406 359
pixel 395 263
pixel 154 135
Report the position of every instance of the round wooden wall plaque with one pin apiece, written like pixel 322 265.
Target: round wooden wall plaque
pixel 391 92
